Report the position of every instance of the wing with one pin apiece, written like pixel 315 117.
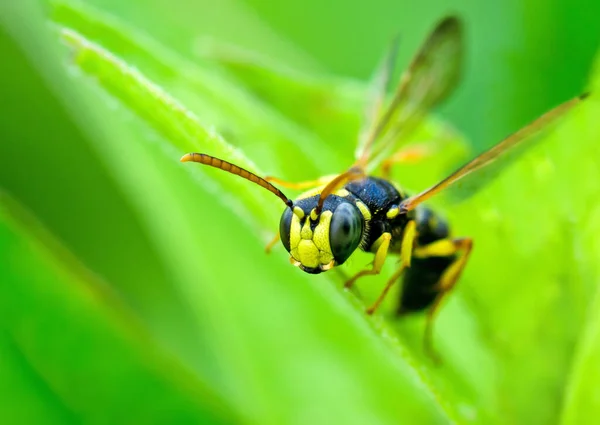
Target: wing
pixel 376 97
pixel 430 77
pixel 474 167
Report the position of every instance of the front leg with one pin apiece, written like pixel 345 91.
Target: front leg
pixel 408 239
pixel 272 243
pixel 384 244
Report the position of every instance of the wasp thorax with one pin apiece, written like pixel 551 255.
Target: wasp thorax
pixel 317 242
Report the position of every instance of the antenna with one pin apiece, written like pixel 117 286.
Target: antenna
pixel 352 174
pixel 234 169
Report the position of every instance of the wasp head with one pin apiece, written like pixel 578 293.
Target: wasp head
pixel 319 241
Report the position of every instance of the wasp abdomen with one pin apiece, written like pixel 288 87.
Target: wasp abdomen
pixel 421 278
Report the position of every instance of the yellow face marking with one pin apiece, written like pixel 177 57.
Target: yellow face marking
pixel 321 237
pixel 299 212
pixel 392 212
pixel 363 210
pixel 314 215
pixel 328 266
pixel 295 238
pixel 306 233
pixel 311 248
pixel 309 254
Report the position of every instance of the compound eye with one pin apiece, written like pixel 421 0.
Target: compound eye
pixel 346 231
pixel 284 228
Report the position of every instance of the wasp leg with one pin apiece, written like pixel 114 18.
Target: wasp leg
pixel 405 155
pixel 344 278
pixel 383 244
pixel 271 244
pixel 408 239
pixel 388 286
pixel 300 185
pixel 444 247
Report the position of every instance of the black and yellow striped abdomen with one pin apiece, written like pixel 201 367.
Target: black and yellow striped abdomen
pixel 424 274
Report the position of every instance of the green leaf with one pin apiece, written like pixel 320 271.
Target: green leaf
pixel 534 265
pixel 328 106
pixel 581 403
pixel 246 121
pixel 76 346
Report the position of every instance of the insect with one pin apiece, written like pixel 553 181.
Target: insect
pixel 356 209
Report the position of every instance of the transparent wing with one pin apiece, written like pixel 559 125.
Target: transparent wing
pixel 519 140
pixel 376 97
pixel 430 77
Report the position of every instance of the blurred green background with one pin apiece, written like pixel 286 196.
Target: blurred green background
pixel 135 289
pixel 522 56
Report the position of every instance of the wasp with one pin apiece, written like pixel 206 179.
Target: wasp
pixel 360 210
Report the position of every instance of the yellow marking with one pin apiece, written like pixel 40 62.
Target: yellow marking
pixel 342 193
pixel 392 212
pixel 299 212
pixel 306 233
pixel 309 253
pixel 328 266
pixel 364 210
pixel 314 215
pixel 321 234
pixel 408 240
pixel 441 248
pixel 295 230
pixel 326 258
pixel 311 248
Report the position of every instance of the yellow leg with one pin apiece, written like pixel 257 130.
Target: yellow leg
pixel 408 239
pixel 395 277
pixel 380 256
pixel 271 244
pixel 405 155
pixel 300 185
pixel 444 286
